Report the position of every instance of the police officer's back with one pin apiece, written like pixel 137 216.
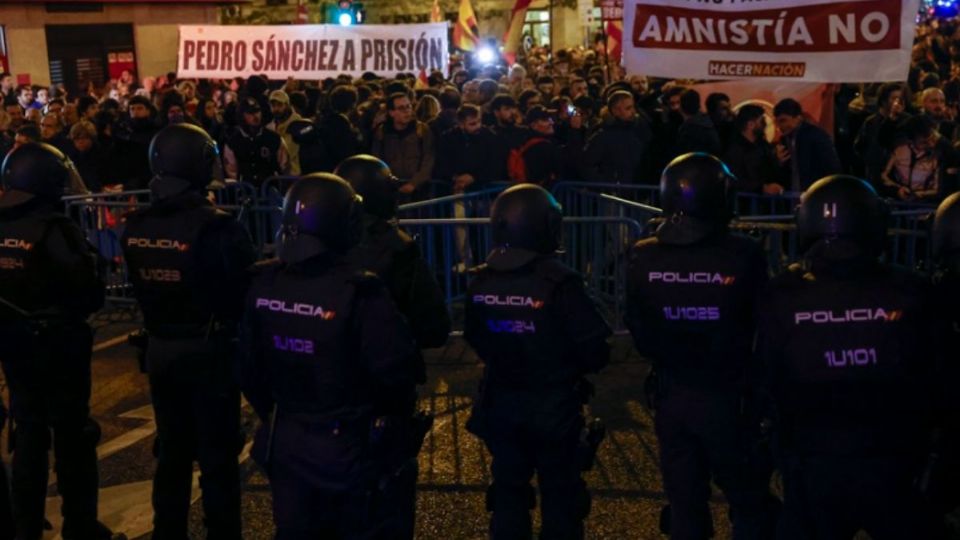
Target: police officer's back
pixel 329 364
pixel 847 342
pixel 187 262
pixel 537 332
pixel 48 286
pixel 691 291
pixel 392 254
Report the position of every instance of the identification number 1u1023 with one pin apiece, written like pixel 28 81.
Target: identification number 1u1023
pixel 851 358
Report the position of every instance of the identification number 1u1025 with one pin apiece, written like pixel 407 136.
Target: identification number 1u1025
pixel 851 358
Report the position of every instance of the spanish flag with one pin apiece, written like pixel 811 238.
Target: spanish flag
pixel 511 40
pixel 466 36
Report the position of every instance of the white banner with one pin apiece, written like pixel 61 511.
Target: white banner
pixel 798 40
pixel 312 52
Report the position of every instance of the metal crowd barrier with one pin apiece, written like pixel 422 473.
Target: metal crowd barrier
pixel 598 233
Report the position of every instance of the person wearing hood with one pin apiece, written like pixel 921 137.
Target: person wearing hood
pixel 139 131
pixel 283 117
pixel 615 153
pixel 49 286
pixel 691 291
pixel 188 262
pixel 251 153
pixel 697 132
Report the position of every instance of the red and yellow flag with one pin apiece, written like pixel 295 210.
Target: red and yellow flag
pixel 466 36
pixel 615 41
pixel 511 40
pixel 302 16
pixel 435 14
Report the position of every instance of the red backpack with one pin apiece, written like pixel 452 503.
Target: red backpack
pixel 516 164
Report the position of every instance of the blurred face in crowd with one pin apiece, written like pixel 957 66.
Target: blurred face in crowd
pixel 758 128
pixel 471 125
pixel 139 111
pixel 528 84
pixel 895 99
pixel 471 92
pixel 55 107
pixel 925 142
pixel 43 95
pixel 83 144
pixel 402 112
pixel 542 126
pixel 175 114
pixel 70 114
pixel 639 84
pixel 577 89
pixel 33 115
pixel 674 103
pixel 546 88
pixel 724 111
pixel 279 109
pixel 90 112
pixel 49 127
pixel 787 123
pixel 252 119
pixel 534 101
pixel 25 97
pixel 16 115
pixel 624 110
pixel 6 84
pixel 506 116
pixel 935 104
pixel 459 78
pixel 210 110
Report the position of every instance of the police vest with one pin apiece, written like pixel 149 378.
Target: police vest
pixel 515 314
pixel 691 307
pixel 303 329
pixel 256 155
pixel 24 271
pixel 853 360
pixel 160 248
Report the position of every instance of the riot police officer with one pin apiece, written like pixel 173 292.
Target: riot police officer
pixel 537 332
pixel 847 342
pixel 48 287
pixel 390 253
pixel 691 291
pixel 940 482
pixel 187 262
pixel 329 368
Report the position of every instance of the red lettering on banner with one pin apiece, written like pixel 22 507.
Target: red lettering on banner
pixel 189 51
pixel 718 68
pixel 841 26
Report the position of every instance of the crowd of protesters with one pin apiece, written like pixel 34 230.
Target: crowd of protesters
pixel 556 117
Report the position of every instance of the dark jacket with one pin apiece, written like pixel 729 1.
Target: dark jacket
pixel 753 163
pixel 813 156
pixel 508 138
pixel 409 153
pixel 616 151
pixel 697 134
pixel 460 153
pixel 92 167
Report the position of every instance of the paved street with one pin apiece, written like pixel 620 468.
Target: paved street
pixel 454 466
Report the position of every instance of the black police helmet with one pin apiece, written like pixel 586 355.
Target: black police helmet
pixel 35 170
pixel 527 222
pixel 844 216
pixel 697 193
pixel 185 152
pixel 372 180
pixel 321 214
pixel 946 228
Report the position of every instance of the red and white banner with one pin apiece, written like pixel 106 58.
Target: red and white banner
pixel 310 51
pixel 799 40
